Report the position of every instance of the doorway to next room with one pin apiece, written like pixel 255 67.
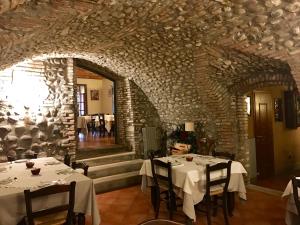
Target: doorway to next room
pixel 273 140
pixel 96 127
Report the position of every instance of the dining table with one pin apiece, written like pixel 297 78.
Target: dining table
pixel 15 177
pixel 189 178
pixel 82 122
pixel 291 215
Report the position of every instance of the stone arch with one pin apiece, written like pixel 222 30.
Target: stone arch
pixel 263 80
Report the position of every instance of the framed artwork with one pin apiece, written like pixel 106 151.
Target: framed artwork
pixel 278 109
pixel 94 94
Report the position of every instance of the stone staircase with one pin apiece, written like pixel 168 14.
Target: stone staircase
pixel 114 171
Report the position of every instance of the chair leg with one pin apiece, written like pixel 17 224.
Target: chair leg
pixel 81 219
pixel 215 205
pixel 225 208
pixel 155 200
pixel 172 204
pixel 231 203
pixel 208 209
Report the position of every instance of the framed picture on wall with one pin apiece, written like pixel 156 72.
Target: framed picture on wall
pixel 94 94
pixel 278 109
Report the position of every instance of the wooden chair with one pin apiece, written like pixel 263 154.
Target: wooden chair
pixel 156 153
pixel 81 165
pixel 296 186
pixel 11 158
pixel 102 128
pixel 160 222
pixel 93 123
pixel 51 214
pixel 67 159
pixel 163 187
pixel 217 189
pixel 224 155
pixel 31 156
pixel 76 165
pixel 231 197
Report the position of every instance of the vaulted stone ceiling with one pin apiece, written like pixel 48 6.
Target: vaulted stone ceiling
pixel 157 42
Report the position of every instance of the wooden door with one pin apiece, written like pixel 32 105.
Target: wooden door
pixel 263 125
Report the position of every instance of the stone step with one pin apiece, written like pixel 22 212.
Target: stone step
pixel 115 168
pixel 102 160
pixel 117 181
pixel 92 152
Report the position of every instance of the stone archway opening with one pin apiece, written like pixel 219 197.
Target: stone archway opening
pixel 267 91
pixel 96 112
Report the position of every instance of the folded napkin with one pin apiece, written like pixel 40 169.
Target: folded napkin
pixel 173 161
pixel 3 169
pixel 49 183
pixel 20 160
pixel 6 181
pixel 52 163
pixel 65 171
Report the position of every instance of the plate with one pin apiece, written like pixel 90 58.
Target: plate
pixel 52 163
pixel 6 181
pixel 177 164
pixel 20 160
pixel 3 169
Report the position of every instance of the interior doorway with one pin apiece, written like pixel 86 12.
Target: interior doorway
pixel 96 127
pixel 273 145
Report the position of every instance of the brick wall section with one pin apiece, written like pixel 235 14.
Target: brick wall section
pixel 144 115
pixel 121 108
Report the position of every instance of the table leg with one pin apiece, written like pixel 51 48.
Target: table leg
pixel 188 221
pixel 231 203
pixel 81 219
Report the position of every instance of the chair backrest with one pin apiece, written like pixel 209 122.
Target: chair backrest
pixel 11 158
pixel 67 159
pixel 31 156
pixel 296 186
pixel 222 180
pixel 101 119
pixel 155 165
pixel 224 155
pixel 160 222
pixel 157 153
pixel 50 190
pixel 81 165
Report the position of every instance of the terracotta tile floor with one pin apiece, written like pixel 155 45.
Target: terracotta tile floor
pixel 277 182
pixel 130 206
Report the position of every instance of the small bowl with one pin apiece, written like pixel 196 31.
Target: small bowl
pixel 29 164
pixel 35 171
pixel 189 158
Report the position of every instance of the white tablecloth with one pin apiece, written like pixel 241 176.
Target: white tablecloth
pixel 191 179
pixel 12 203
pixel 82 124
pixel 291 216
pixel 108 121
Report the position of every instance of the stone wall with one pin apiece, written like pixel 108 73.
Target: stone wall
pixel 37 109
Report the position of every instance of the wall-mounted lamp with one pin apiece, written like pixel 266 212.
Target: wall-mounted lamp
pixel 189 126
pixel 248 101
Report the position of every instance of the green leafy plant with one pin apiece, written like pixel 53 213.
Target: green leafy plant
pixel 186 137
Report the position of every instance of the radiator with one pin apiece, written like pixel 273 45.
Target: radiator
pixel 151 137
